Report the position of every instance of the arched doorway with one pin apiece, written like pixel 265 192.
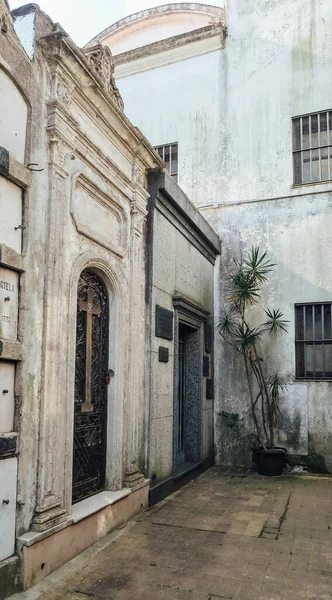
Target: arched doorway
pixel 91 372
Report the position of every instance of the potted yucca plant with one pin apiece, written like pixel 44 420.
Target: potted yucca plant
pixel 264 388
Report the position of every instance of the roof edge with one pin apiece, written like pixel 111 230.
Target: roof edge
pixel 208 9
pixel 164 183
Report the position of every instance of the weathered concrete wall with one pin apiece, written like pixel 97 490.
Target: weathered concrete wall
pixel 276 56
pixel 274 67
pixel 296 232
pixel 231 112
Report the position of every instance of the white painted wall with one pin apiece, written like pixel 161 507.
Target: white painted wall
pixel 274 67
pixel 181 103
pixel 231 112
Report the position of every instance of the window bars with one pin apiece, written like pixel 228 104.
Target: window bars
pixel 169 154
pixel 312 148
pixel 313 341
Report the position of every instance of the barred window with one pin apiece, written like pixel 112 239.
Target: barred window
pixel 312 148
pixel 169 154
pixel 313 341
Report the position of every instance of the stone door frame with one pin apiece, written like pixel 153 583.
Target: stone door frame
pixel 116 393
pixel 193 315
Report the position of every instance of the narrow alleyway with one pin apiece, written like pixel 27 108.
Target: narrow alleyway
pixel 227 535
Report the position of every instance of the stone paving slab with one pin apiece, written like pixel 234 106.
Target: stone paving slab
pixel 225 536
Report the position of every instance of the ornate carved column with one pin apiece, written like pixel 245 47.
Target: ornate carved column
pixel 133 475
pixel 50 509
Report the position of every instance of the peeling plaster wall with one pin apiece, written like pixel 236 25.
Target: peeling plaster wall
pixel 231 113
pixel 297 234
pixel 275 66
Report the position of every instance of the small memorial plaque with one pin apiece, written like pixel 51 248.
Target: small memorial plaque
pixel 4 161
pixel 206 366
pixel 208 334
pixel 8 444
pixel 209 389
pixel 164 323
pixel 163 354
pixel 8 304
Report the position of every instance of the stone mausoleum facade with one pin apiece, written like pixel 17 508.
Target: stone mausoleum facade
pixel 93 299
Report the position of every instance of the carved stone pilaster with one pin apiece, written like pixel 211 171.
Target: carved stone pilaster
pixel 138 218
pixel 64 94
pixel 138 176
pixel 133 476
pixel 50 509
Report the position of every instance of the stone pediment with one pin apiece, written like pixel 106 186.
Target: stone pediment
pixel 101 60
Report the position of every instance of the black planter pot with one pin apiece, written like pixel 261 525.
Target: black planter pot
pixel 270 461
pixel 255 451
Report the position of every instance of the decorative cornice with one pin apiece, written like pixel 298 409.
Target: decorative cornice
pixel 93 82
pixel 98 60
pixel 165 54
pixel 190 307
pixel 101 60
pixel 171 43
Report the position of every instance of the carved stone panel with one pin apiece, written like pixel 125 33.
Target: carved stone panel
pixel 97 217
pixel 8 304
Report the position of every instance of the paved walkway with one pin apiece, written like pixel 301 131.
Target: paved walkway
pixel 227 535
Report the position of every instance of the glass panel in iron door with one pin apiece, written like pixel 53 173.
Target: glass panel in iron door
pixel 90 408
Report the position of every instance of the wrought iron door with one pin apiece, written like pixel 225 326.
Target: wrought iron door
pixel 91 370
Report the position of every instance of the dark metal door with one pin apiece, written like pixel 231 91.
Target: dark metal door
pixel 91 369
pixel 180 455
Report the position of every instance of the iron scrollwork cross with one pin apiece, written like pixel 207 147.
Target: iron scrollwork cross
pixel 91 310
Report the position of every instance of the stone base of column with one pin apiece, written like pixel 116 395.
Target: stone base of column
pixel 133 477
pixel 46 518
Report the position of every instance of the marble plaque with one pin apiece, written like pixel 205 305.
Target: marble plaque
pixel 8 478
pixel 9 281
pixel 11 214
pixel 164 323
pixel 7 399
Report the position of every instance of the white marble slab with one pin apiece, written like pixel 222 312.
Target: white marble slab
pixel 9 281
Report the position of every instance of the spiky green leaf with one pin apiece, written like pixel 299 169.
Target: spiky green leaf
pixel 246 337
pixel 275 322
pixel 257 265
